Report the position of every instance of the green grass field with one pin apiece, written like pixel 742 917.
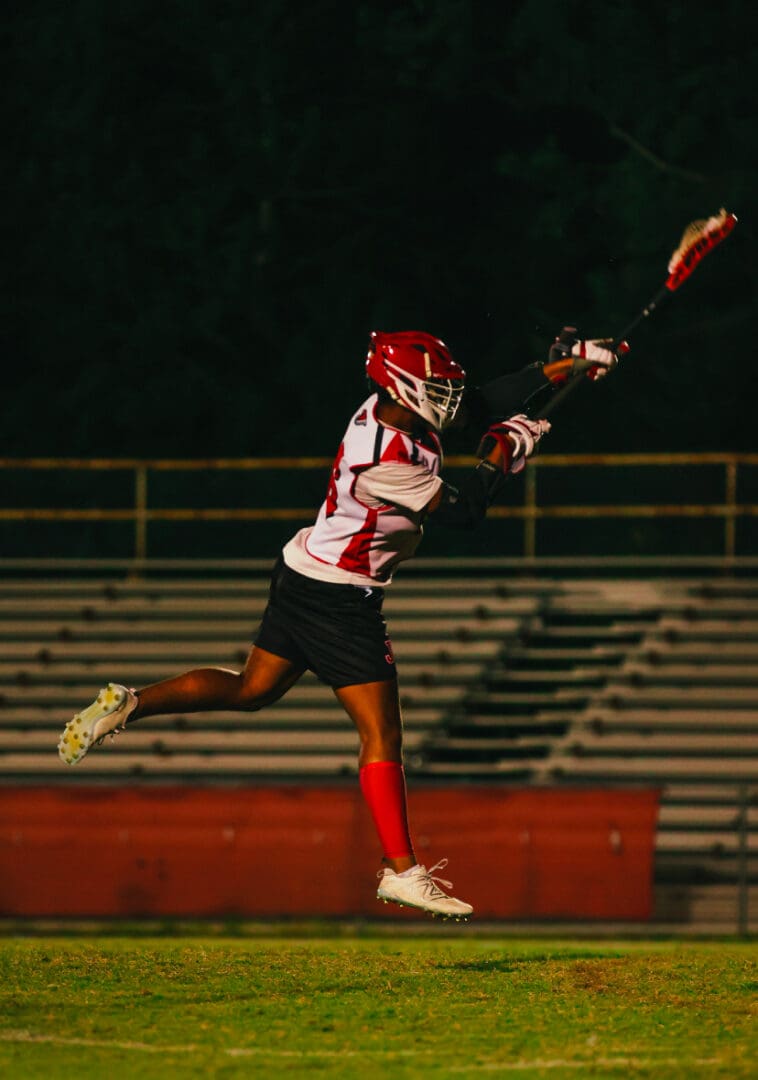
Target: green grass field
pixel 442 1005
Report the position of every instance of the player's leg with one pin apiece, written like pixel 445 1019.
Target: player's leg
pixel 265 678
pixel 375 710
pixel 274 663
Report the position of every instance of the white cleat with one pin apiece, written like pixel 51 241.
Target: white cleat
pixel 107 715
pixel 419 889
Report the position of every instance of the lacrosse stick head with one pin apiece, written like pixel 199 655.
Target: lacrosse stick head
pixel 699 238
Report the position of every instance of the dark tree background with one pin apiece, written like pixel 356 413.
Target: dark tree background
pixel 209 205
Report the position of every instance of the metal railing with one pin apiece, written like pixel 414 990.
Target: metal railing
pixel 141 513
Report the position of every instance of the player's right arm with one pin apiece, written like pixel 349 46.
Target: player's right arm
pixel 504 449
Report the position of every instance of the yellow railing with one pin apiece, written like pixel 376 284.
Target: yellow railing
pixel 530 511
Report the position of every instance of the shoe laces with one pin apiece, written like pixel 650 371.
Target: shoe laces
pixel 427 880
pixel 432 881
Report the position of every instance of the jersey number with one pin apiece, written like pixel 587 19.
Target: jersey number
pixel 331 491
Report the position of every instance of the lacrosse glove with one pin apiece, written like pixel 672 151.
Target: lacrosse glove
pixel 517 439
pixel 569 356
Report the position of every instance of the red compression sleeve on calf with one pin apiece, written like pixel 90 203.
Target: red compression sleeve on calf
pixel 383 787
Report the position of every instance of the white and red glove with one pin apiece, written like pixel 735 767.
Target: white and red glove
pixel 517 439
pixel 571 356
pixel 594 358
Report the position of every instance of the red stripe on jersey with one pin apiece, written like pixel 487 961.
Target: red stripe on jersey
pixel 396 450
pixel 355 557
pixel 330 505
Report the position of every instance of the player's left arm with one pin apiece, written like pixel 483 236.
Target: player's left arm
pixel 507 395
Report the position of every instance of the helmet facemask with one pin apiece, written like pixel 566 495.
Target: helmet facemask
pixel 434 400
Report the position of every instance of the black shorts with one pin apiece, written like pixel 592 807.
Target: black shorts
pixel 337 631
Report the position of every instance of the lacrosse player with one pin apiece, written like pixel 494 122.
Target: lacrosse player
pixel 325 606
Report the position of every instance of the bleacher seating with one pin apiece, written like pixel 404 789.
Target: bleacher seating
pixel 520 680
pixel 61 640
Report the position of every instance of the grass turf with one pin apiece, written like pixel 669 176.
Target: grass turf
pixel 444 1006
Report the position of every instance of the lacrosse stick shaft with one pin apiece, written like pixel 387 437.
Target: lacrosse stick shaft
pixel 698 240
pixel 650 307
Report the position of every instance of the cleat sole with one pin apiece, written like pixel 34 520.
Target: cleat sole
pixel 75 743
pixel 445 916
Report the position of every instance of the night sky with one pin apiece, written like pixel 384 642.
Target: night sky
pixel 209 205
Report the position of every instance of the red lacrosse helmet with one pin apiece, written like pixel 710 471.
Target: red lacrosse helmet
pixel 418 372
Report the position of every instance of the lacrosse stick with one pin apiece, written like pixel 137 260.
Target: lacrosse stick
pixel 699 238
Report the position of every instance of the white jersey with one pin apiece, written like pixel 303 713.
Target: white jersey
pixel 371 520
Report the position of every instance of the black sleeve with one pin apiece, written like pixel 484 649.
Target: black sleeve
pixel 466 506
pixel 501 398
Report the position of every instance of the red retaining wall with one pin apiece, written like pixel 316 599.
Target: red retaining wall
pixel 296 850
